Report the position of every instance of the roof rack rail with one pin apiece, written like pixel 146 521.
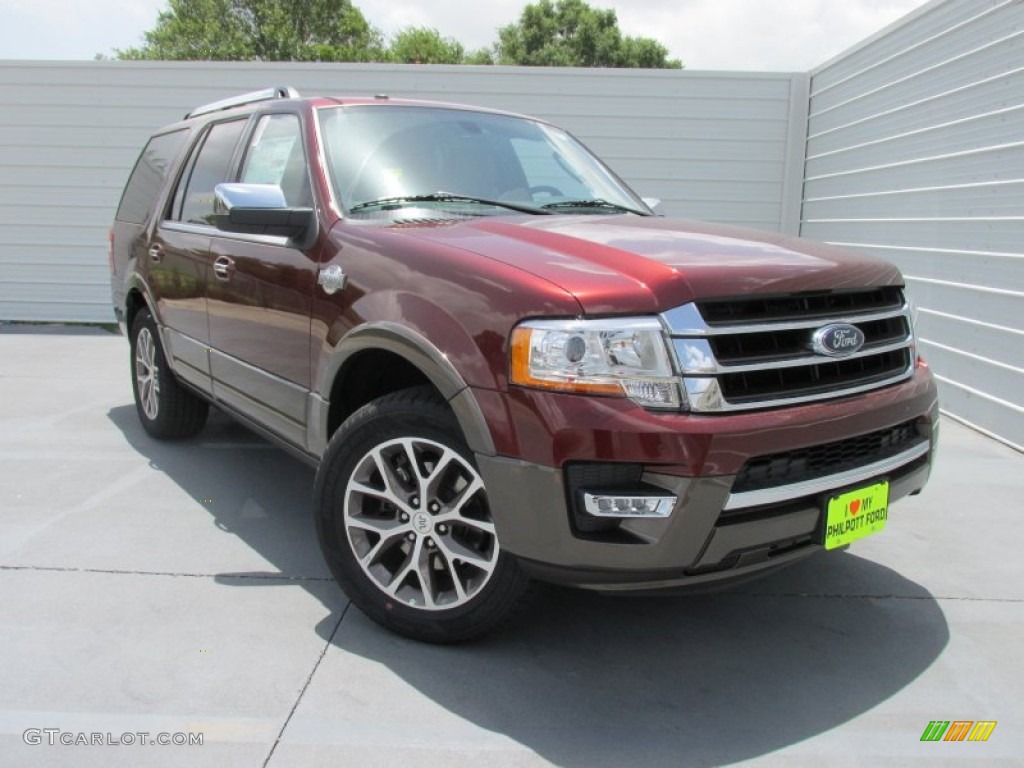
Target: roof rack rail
pixel 267 94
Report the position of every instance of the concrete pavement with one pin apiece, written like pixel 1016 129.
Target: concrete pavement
pixel 173 588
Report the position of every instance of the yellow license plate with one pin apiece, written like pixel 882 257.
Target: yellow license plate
pixel 856 514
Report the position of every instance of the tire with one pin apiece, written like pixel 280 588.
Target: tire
pixel 403 522
pixel 166 409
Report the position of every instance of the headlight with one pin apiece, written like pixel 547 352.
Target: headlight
pixel 617 356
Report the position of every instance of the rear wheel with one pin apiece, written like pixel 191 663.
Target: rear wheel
pixel 404 522
pixel 166 409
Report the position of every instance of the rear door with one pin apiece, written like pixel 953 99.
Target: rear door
pixel 179 252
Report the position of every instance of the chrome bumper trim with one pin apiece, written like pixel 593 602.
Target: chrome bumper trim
pixel 783 493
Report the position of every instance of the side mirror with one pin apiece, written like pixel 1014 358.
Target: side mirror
pixel 259 209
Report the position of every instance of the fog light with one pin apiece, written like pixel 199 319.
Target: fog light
pixel 603 505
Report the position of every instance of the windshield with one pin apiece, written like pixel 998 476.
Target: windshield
pixel 385 153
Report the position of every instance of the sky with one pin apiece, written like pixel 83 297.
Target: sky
pixel 759 35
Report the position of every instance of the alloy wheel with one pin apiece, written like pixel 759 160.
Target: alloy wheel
pixel 417 519
pixel 147 374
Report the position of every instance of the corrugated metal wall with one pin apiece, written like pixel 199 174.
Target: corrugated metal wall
pixel 915 152
pixel 719 146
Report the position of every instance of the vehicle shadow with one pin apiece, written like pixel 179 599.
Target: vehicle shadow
pixel 252 490
pixel 586 680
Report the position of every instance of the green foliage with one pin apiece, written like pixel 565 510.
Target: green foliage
pixel 566 33
pixel 646 53
pixel 479 56
pixel 268 30
pixel 420 45
pixel 569 33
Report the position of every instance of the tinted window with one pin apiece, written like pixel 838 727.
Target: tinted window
pixel 148 176
pixel 211 167
pixel 275 156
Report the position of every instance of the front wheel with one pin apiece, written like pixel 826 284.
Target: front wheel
pixel 404 523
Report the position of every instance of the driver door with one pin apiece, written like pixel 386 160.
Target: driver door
pixel 260 291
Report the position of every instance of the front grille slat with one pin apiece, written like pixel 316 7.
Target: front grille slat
pixel 799 307
pixel 745 348
pixel 756 352
pixel 810 379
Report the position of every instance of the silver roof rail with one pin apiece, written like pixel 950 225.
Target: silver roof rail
pixel 267 94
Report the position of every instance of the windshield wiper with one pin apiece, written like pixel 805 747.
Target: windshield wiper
pixel 594 203
pixel 444 197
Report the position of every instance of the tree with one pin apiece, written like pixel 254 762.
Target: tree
pixel 566 33
pixel 479 56
pixel 569 33
pixel 269 30
pixel 420 45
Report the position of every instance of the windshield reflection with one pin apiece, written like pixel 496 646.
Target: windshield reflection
pixel 383 152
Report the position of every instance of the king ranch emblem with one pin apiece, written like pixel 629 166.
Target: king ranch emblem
pixel 837 340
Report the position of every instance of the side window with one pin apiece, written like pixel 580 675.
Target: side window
pixel 194 197
pixel 275 156
pixel 148 176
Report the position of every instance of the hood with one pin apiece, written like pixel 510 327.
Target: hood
pixel 631 264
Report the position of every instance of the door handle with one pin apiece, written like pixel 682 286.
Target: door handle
pixel 156 254
pixel 224 267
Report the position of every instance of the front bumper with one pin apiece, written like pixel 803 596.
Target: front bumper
pixel 713 533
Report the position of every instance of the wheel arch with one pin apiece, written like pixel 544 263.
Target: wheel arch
pixel 377 359
pixel 138 297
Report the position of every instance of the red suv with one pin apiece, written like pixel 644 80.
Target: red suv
pixel 504 365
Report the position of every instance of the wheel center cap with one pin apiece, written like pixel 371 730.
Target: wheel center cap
pixel 422 523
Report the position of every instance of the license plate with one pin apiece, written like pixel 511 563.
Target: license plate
pixel 856 514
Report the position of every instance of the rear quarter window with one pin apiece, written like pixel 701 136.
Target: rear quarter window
pixel 149 175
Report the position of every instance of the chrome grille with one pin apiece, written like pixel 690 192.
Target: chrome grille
pixel 748 353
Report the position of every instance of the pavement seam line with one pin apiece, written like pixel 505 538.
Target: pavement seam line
pixel 173 574
pixel 298 700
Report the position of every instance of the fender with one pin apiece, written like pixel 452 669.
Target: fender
pixel 417 350
pixel 134 282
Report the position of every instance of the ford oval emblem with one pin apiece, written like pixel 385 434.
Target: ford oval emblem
pixel 837 340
